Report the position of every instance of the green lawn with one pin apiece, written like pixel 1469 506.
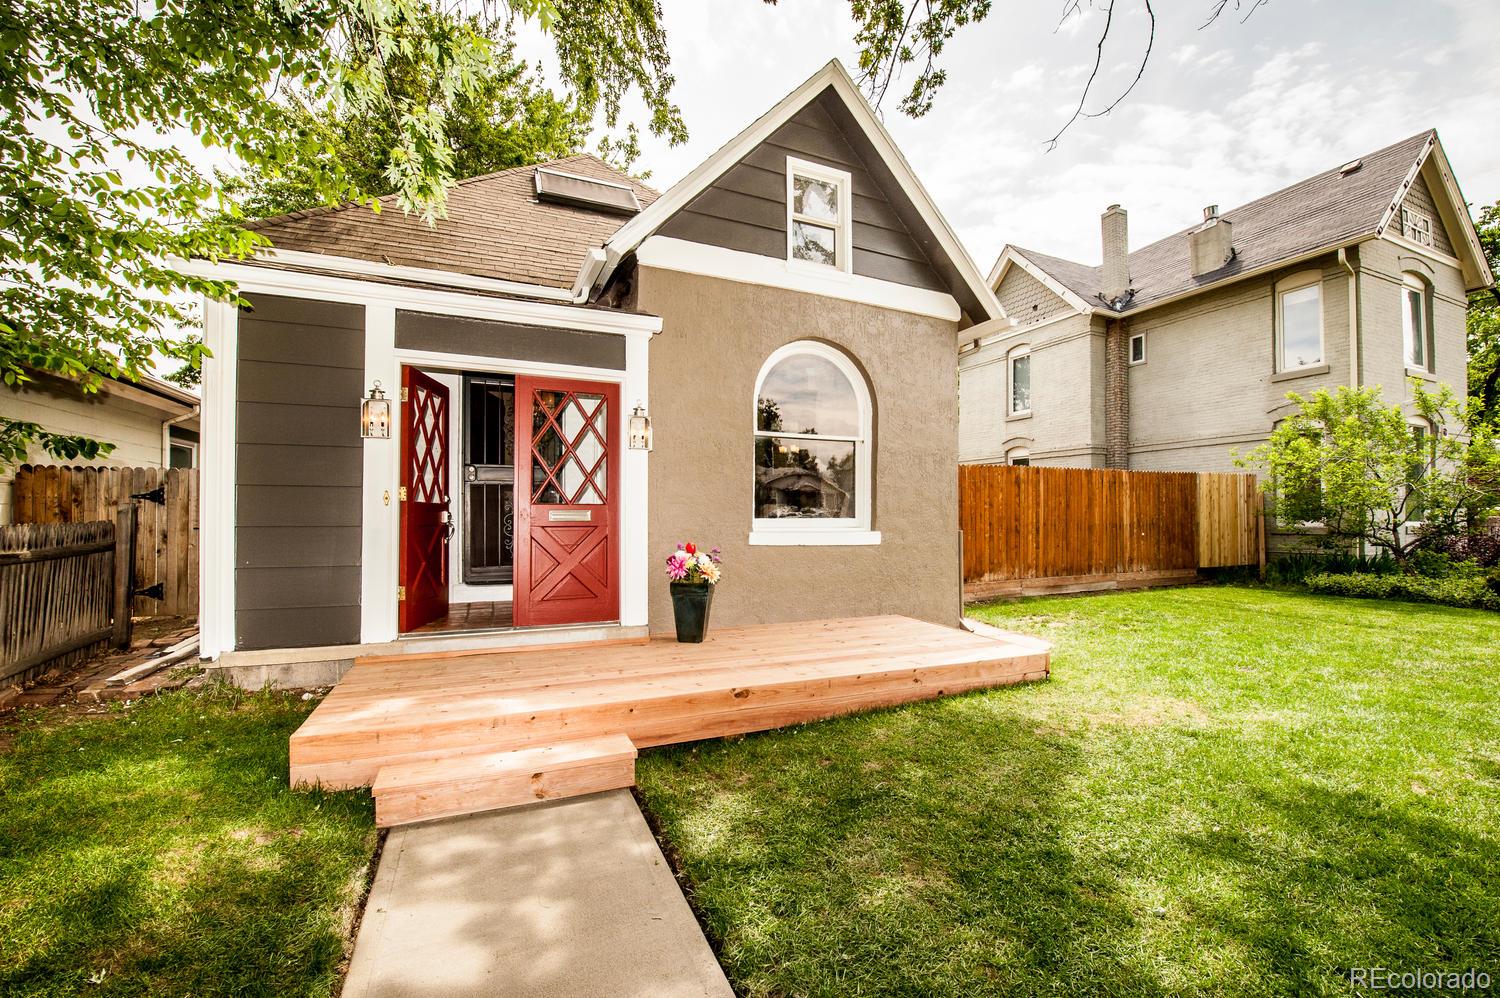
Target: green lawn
pixel 1220 791
pixel 156 850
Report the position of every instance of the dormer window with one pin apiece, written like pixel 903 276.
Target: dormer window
pixel 818 215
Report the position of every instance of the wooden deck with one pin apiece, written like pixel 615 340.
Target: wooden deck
pixel 466 717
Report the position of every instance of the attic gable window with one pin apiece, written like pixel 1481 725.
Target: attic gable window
pixel 1416 227
pixel 818 223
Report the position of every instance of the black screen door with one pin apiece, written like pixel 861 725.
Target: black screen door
pixel 489 478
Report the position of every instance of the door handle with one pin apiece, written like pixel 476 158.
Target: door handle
pixel 448 527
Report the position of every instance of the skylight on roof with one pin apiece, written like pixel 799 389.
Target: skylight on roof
pixel 557 187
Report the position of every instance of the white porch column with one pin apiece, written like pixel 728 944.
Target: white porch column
pixel 635 558
pixel 382 474
pixel 216 505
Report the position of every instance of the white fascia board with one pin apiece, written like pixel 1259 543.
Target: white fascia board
pixel 684 257
pixel 1475 256
pixel 369 268
pixel 1011 256
pixel 1411 175
pixel 634 233
pixel 324 287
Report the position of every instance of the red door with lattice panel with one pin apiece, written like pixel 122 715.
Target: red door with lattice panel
pixel 568 498
pixel 425 520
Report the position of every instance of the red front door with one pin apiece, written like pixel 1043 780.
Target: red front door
pixel 567 497
pixel 425 521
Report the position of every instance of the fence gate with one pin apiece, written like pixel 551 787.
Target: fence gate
pixel 166 501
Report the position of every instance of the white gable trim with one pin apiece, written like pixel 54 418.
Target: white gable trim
pixel 1475 265
pixel 684 257
pixel 632 234
pixel 1012 257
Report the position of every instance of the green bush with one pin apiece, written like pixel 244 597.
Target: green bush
pixel 1294 567
pixel 1466 586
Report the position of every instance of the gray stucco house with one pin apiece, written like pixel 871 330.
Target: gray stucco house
pixel 1173 356
pixel 784 317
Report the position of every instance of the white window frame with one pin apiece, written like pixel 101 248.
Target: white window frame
pixel 843 229
pixel 1018 454
pixel 1420 424
pixel 1015 354
pixel 191 446
pixel 791 531
pixel 1415 282
pixel 1134 339
pixel 1284 287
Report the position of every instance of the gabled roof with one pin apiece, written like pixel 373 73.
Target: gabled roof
pixel 1321 213
pixel 969 288
pixel 496 228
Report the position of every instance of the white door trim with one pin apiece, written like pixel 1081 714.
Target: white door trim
pixel 217 518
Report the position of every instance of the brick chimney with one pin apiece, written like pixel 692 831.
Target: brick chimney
pixel 1115 276
pixel 1212 243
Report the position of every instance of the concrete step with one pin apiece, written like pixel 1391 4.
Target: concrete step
pixel 467 784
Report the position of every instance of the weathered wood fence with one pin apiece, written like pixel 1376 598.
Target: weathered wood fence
pixel 1036 530
pixel 166 548
pixel 64 592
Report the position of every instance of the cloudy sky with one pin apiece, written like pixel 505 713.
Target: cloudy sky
pixel 1223 115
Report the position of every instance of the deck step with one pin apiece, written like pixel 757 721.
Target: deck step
pixel 465 784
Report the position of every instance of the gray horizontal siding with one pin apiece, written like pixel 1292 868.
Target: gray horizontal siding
pixel 745 209
pixel 299 473
pixel 509 341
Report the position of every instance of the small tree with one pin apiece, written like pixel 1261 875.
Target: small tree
pixel 1362 471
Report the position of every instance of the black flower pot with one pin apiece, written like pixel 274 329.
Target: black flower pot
pixel 690 603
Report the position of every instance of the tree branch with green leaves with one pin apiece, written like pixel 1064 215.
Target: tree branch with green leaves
pixel 1346 467
pixel 98 99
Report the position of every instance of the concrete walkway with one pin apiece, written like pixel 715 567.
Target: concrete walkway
pixel 567 898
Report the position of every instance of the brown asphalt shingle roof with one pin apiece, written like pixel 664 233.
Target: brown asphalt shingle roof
pixel 1327 210
pixel 495 228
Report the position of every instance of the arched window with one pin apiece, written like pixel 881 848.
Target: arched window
pixel 1416 320
pixel 812 428
pixel 1020 457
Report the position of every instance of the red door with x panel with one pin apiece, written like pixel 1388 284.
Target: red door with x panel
pixel 426 523
pixel 568 501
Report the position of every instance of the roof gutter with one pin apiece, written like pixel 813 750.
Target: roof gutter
pixel 166 433
pixel 1257 272
pixel 351 267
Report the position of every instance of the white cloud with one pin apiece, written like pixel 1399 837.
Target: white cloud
pixel 1222 116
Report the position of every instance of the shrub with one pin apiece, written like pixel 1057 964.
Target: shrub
pixel 1481 547
pixel 1293 568
pixel 1468 587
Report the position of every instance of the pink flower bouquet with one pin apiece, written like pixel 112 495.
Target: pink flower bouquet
pixel 690 565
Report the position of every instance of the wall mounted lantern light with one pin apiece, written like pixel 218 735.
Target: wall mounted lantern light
pixel 375 415
pixel 640 429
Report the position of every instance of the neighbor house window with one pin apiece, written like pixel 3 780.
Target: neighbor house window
pixel 1018 456
pixel 1020 381
pixel 812 449
pixel 182 454
pixel 1416 227
pixel 1426 447
pixel 1416 321
pixel 818 215
pixel 1138 348
pixel 1299 322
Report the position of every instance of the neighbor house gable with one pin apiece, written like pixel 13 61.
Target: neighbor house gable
pixel 735 202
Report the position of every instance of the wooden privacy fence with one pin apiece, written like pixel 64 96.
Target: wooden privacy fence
pixel 166 548
pixel 64 592
pixel 1034 530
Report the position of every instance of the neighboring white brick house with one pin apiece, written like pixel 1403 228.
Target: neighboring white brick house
pixel 1196 328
